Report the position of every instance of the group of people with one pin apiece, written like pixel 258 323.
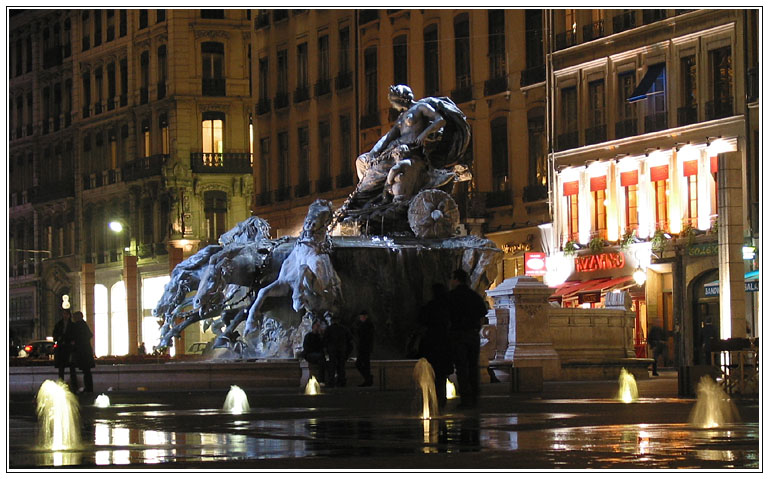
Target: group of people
pixel 327 348
pixel 73 349
pixel 450 342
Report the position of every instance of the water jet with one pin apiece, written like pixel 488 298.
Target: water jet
pixel 236 401
pixel 58 414
pixel 451 391
pixel 714 408
pixel 628 391
pixel 424 376
pixel 312 388
pixel 102 400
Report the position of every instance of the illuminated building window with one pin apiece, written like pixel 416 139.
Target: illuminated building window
pixel 571 192
pixel 213 138
pixel 659 178
pixel 598 192
pixel 629 183
pixel 690 176
pixel 164 136
pixel 146 144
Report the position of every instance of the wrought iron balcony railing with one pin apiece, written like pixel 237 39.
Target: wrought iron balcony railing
pixel 463 94
pixel 232 163
pixel 281 100
pixel 492 86
pixel 626 128
pixel 533 75
pixel 567 141
pixel 593 31
pixel 263 106
pixel 301 94
pixel 624 21
pixel 595 134
pixel 322 87
pixel 687 115
pixel 343 80
pixel 716 109
pixel 655 122
pixel 144 167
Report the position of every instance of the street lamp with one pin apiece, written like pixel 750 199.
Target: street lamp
pixel 639 276
pixel 116 226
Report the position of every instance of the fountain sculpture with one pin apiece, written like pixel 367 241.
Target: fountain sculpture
pixel 713 408
pixel 58 414
pixel 396 235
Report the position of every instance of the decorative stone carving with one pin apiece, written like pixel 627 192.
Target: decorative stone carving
pixel 523 300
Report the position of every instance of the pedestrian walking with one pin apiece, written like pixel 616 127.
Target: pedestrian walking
pixel 314 352
pixel 62 350
pixel 435 318
pixel 467 311
pixel 656 341
pixel 365 339
pixel 79 338
pixel 338 343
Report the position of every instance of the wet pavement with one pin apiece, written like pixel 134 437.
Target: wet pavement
pixel 570 425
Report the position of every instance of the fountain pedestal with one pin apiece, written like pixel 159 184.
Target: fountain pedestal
pixel 523 335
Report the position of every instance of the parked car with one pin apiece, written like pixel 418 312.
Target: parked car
pixel 38 349
pixel 197 348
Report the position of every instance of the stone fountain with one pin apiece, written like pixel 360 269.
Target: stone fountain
pixel 394 236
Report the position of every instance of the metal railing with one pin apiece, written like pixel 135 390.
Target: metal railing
pixel 233 163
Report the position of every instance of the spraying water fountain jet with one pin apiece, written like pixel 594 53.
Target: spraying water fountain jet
pixel 628 390
pixel 714 408
pixel 312 388
pixel 58 414
pixel 102 400
pixel 425 380
pixel 236 401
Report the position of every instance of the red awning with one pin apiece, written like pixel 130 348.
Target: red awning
pixel 572 288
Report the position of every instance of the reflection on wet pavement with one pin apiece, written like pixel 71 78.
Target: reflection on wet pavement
pixel 156 435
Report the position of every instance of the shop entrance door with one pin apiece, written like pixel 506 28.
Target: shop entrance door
pixel 706 318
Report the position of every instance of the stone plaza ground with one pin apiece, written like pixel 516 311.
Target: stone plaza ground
pixel 569 425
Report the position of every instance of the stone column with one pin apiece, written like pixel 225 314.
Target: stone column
pixel 131 281
pixel 87 303
pixel 176 256
pixel 731 266
pixel 528 334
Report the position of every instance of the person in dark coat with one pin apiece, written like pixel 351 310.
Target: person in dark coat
pixel 338 342
pixel 467 311
pixel 79 338
pixel 365 338
pixel 62 350
pixel 435 318
pixel 314 352
pixel 656 341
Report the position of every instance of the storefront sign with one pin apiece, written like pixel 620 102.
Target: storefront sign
pixel 705 249
pixel 628 178
pixel 658 173
pixel 534 264
pixel 571 188
pixel 595 262
pixel 598 183
pixel 590 297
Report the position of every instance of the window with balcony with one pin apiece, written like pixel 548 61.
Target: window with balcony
pixel 215 210
pixel 283 192
pixel 144 76
pixel 143 18
pixel 99 78
pixel 323 86
pixel 687 112
pixel 463 82
pixel 86 95
pixel 110 25
pixel 213 69
pixel 160 15
pixel 596 28
pixel 400 60
pixel 303 161
pixel 499 155
pixel 627 122
pixel 569 134
pixel 598 194
pixel 624 21
pixel 264 93
pixel 324 156
pixel 85 25
pixel 567 37
pixel 146 139
pixel 213 138
pixel 344 78
pixel 497 81
pixel 302 91
pixel 629 185
pixel 535 58
pixel 537 184
pixel 371 94
pixel 264 168
pixel 97 22
pixel 123 82
pixel 432 77
pixel 162 71
pixel 596 113
pixel 165 138
pixel 721 78
pixel 571 195
pixel 111 86
pixel 123 23
pixel 279 15
pixel 281 96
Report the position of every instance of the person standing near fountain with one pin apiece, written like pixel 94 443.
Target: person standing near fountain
pixel 338 342
pixel 313 351
pixel 365 336
pixel 435 317
pixel 79 339
pixel 467 310
pixel 656 341
pixel 61 355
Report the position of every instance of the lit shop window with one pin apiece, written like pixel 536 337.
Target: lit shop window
pixel 629 184
pixel 598 193
pixel 659 178
pixel 571 192
pixel 690 181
